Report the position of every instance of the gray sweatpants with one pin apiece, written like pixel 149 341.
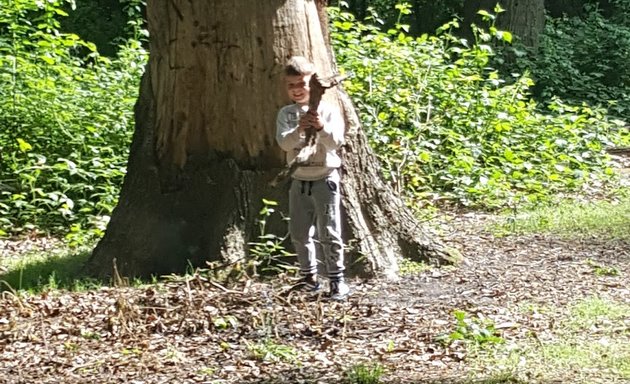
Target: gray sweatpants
pixel 315 217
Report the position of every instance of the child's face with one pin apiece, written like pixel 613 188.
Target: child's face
pixel 297 88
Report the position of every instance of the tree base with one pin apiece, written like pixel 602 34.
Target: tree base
pixel 209 214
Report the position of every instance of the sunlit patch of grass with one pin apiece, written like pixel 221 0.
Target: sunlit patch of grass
pixel 60 268
pixel 365 373
pixel 268 350
pixel 570 219
pixel 595 311
pixel 600 269
pixel 409 267
pixel 592 358
pixel 589 344
pixel 533 308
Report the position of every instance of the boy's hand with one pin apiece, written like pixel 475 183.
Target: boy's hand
pixel 311 119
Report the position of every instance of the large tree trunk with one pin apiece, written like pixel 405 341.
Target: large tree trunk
pixel 524 18
pixel 204 152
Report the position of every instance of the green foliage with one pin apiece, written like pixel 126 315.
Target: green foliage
pixel 223 323
pixel 86 20
pixel 268 253
pixel 587 343
pixel 446 126
pixel 573 219
pixel 66 123
pixel 502 378
pixel 585 59
pixel 603 270
pixel 60 268
pixel 426 16
pixel 444 123
pixel 472 330
pixel 410 267
pixel 268 350
pixel 365 374
pixel 597 311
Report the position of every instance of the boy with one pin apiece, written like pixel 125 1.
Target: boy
pixel 314 199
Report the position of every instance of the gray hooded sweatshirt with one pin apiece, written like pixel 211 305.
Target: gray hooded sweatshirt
pixel 325 159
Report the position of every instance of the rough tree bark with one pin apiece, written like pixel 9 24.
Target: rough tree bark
pixel 524 18
pixel 203 152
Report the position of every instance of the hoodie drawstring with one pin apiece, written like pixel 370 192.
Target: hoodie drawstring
pixel 310 187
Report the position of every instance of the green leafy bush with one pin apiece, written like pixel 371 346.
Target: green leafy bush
pixel 444 123
pixel 585 59
pixel 365 374
pixel 447 127
pixel 472 330
pixel 65 119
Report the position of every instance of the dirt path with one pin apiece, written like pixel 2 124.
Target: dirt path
pixel 194 331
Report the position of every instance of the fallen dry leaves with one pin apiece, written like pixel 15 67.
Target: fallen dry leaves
pixel 191 330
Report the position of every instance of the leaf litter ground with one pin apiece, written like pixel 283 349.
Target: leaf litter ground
pixel 192 330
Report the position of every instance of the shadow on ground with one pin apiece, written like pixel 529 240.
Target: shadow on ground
pixel 63 271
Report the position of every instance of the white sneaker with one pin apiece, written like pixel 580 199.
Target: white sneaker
pixel 339 290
